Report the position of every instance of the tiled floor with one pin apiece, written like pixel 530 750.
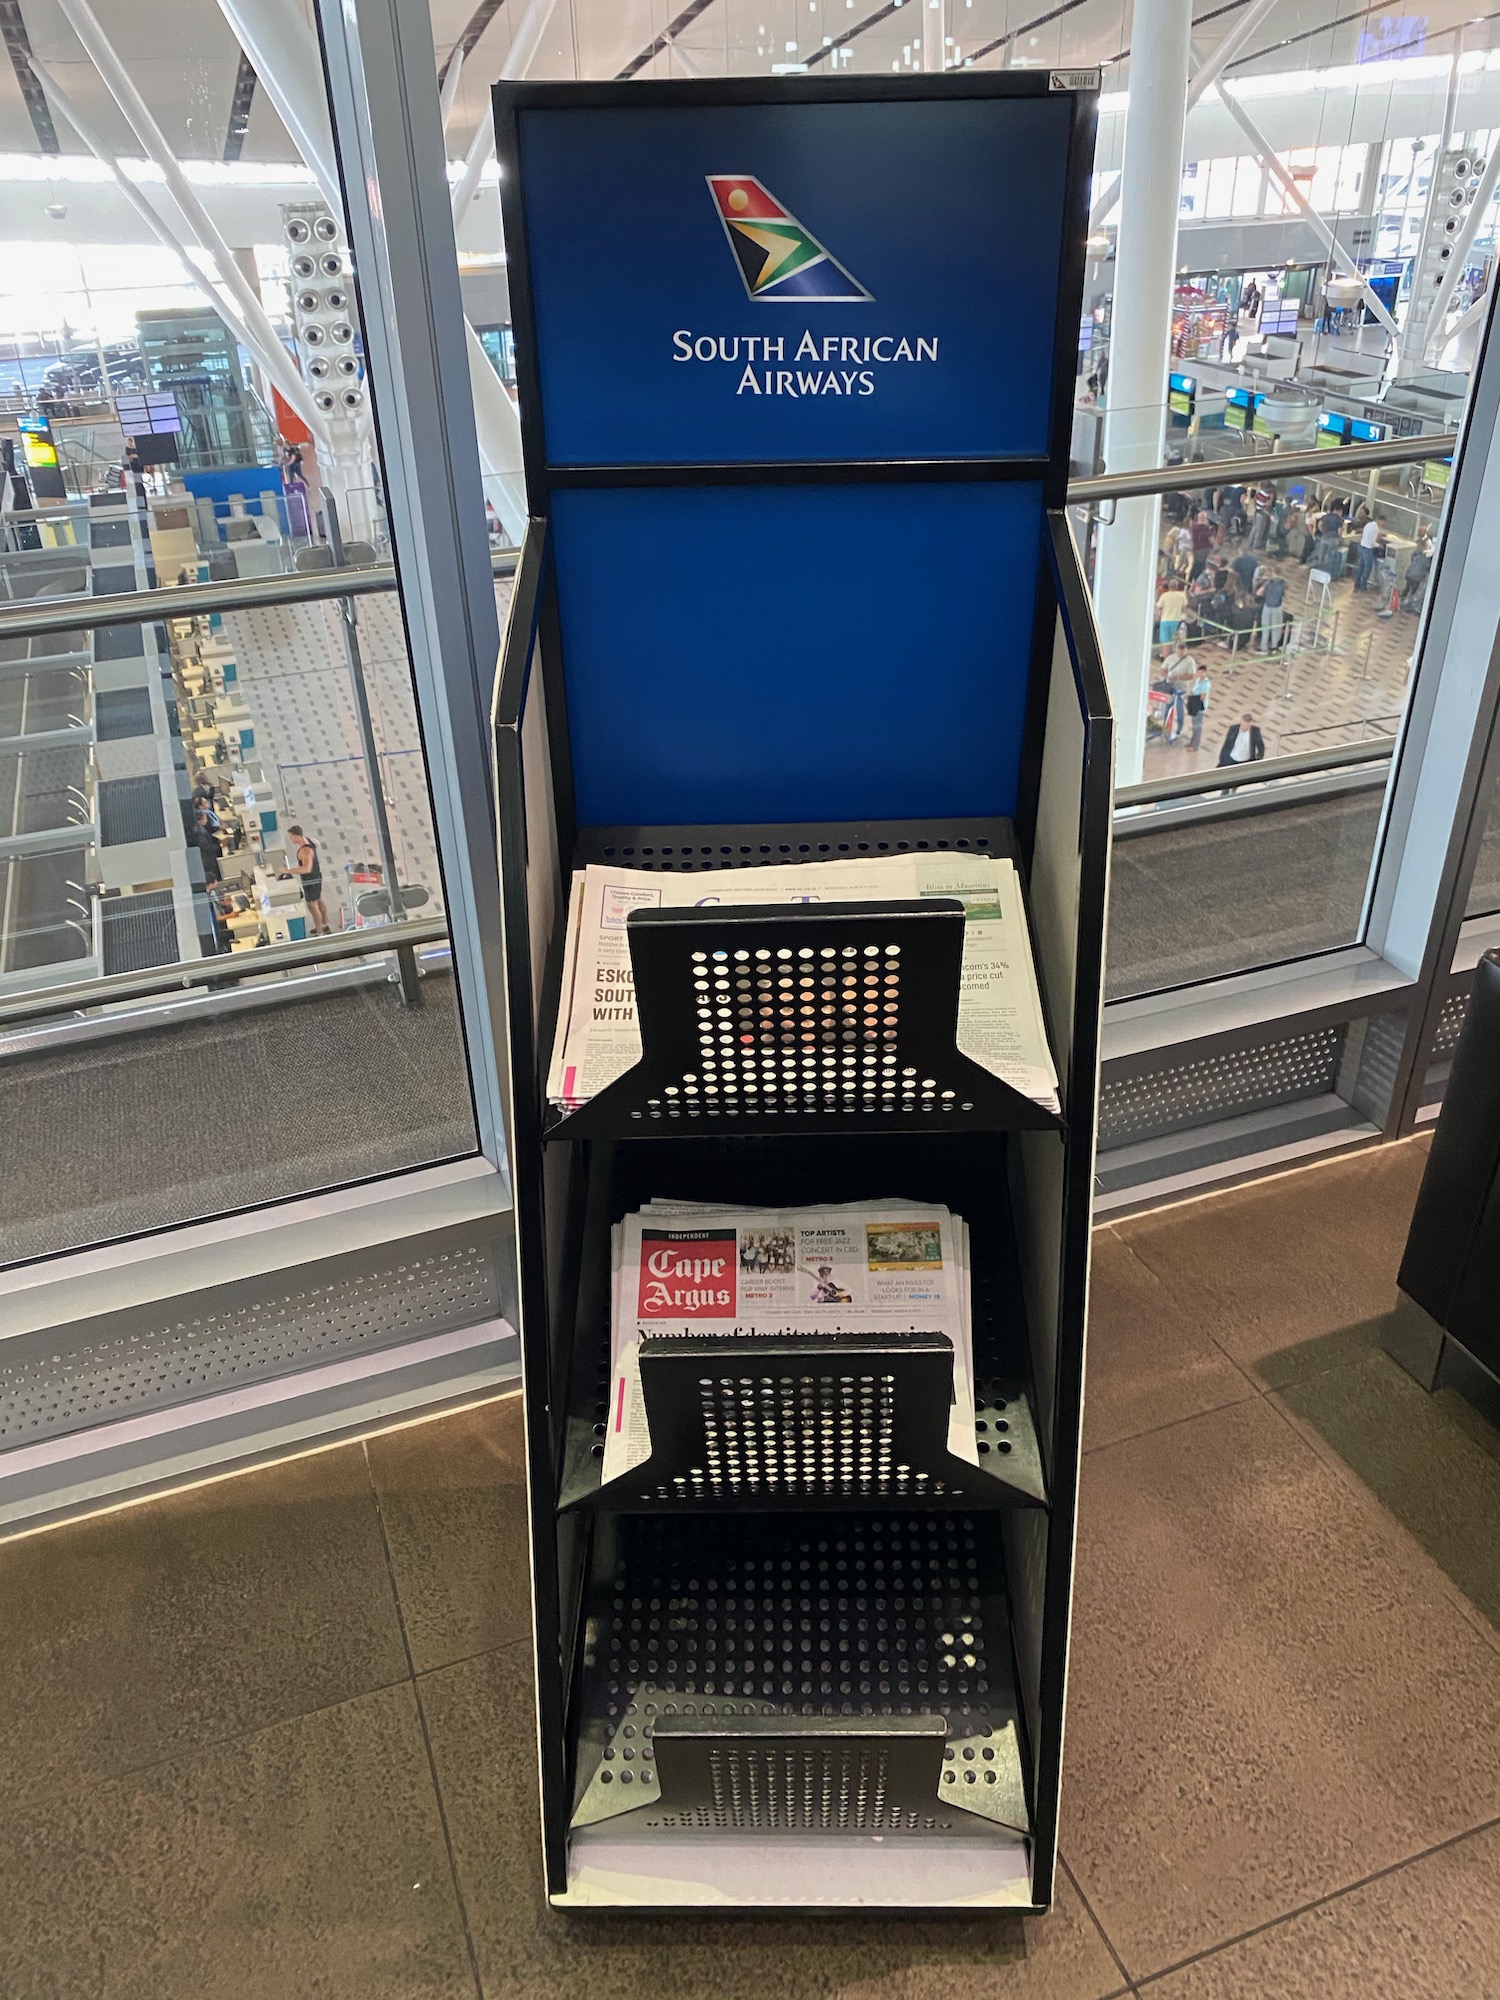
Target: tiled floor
pixel 272 1739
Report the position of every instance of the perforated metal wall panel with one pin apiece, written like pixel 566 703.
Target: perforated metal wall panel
pixel 1179 1095
pixel 1450 1025
pixel 130 809
pixel 122 712
pixel 139 930
pixel 157 1357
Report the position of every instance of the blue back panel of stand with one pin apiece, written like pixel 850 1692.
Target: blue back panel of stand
pixel 948 214
pixel 768 653
pixel 830 649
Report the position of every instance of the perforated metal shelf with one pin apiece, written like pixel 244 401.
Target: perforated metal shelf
pixel 838 1675
pixel 767 1019
pixel 791 1422
pixel 968 1175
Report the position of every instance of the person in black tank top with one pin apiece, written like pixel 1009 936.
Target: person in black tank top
pixel 310 867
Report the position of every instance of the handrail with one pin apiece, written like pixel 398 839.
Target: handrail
pixel 1226 776
pixel 1271 465
pixel 157 980
pixel 197 600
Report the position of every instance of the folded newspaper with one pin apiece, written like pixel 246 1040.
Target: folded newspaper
pixel 851 1271
pixel 1000 1023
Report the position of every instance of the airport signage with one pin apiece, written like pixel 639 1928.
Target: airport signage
pixel 771 281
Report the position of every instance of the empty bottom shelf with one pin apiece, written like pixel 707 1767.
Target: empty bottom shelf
pixel 798 1710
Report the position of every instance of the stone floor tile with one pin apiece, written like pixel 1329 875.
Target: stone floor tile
pixel 1268 1698
pixel 453 1499
pixel 1148 1362
pixel 1429 1931
pixel 1288 1259
pixel 303 1860
pixel 148 1632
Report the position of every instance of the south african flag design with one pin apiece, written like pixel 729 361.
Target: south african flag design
pixel 778 258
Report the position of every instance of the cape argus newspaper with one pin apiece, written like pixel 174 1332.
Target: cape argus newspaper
pixel 852 1270
pixel 999 1012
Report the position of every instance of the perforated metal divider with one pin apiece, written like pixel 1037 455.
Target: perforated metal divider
pixel 763 1018
pixel 855 1669
pixel 784 1419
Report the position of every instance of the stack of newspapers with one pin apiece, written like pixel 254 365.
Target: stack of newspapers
pixel 853 1271
pixel 1000 1022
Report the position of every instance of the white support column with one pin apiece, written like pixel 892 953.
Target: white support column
pixel 518 60
pixel 284 50
pixel 448 97
pixel 284 53
pixel 934 27
pixel 1207 72
pixel 683 60
pixel 1139 358
pixel 481 152
pixel 263 341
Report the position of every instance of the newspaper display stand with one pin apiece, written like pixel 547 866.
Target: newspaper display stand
pixel 803 1657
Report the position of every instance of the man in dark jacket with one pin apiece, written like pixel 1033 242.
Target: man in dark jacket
pixel 1244 744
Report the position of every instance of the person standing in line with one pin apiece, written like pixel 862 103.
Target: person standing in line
pixel 1169 609
pixel 1295 539
pixel 1371 535
pixel 1177 672
pixel 1244 743
pixel 1197 707
pixel 1203 541
pixel 1272 594
pixel 1418 569
pixel 309 863
pixel 1246 567
pixel 1330 536
pixel 1262 521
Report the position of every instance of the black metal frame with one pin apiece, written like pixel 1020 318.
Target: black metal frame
pixel 1052 470
pixel 1021 1177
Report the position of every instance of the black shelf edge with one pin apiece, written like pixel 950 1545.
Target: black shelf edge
pixel 873 1437
pixel 833 1017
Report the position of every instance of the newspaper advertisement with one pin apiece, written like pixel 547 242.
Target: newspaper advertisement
pixel 1000 1023
pixel 857 1270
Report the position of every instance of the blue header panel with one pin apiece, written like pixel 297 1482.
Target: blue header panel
pixel 774 653
pixel 813 281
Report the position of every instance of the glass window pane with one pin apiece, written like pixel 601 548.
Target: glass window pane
pixel 204 790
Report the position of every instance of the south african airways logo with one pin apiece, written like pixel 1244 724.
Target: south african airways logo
pixel 777 257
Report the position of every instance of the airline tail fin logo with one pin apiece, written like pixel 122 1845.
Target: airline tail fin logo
pixel 777 257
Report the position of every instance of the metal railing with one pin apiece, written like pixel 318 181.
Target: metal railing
pixel 1274 465
pixel 82 614
pixel 79 614
pixel 155 981
pixel 1305 763
pixel 198 600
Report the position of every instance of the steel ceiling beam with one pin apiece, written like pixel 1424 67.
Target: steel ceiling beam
pixel 18 47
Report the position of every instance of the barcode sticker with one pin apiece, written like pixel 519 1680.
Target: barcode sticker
pixel 1074 79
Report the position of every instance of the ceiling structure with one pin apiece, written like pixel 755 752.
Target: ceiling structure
pixel 184 58
pixel 220 119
